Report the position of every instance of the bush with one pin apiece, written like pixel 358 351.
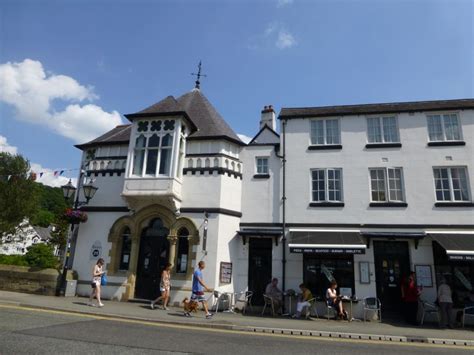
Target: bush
pixel 18 260
pixel 41 256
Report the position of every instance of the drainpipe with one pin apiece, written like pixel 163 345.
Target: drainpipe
pixel 283 200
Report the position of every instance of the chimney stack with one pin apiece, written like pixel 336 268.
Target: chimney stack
pixel 268 117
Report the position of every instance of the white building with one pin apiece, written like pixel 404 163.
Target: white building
pixel 367 193
pixel 24 237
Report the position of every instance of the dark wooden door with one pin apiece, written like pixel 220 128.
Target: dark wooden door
pixel 260 267
pixel 392 263
pixel 152 258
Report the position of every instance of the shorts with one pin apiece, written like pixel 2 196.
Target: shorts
pixel 198 298
pixel 163 289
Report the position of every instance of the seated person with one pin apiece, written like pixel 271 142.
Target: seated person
pixel 335 301
pixel 275 294
pixel 303 300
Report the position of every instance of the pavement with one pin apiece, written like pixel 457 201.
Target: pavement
pixel 314 327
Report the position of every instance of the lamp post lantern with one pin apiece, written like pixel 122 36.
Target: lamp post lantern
pixel 69 190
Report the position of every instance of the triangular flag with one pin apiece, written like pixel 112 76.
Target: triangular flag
pixel 41 174
pixel 55 173
pixel 62 171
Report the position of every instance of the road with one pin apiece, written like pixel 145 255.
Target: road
pixel 34 331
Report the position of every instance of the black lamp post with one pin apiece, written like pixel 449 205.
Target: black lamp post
pixel 69 190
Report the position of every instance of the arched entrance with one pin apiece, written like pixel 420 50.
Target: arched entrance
pixel 152 258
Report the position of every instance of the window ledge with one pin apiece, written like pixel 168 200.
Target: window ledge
pixel 325 147
pixel 261 176
pixel 383 145
pixel 445 143
pixel 326 204
pixel 388 204
pixel 454 204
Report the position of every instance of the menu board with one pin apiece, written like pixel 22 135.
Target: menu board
pixel 225 273
pixel 423 275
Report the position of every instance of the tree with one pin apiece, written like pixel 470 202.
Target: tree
pixel 41 255
pixel 18 195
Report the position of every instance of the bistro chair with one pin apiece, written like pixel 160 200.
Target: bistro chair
pixel 469 313
pixel 268 301
pixel 428 308
pixel 244 297
pixel 372 304
pixel 311 310
pixel 218 298
pixel 330 308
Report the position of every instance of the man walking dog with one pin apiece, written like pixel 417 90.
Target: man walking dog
pixel 198 290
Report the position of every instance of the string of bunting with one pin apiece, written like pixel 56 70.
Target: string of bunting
pixel 34 175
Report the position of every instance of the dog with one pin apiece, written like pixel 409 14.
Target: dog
pixel 189 306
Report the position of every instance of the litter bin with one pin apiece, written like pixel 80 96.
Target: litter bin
pixel 71 286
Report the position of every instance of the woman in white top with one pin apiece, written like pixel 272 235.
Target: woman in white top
pixel 334 300
pixel 96 278
pixel 445 301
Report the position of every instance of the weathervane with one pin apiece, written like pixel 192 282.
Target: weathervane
pixel 198 75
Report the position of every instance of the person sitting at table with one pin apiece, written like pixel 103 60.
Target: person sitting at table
pixel 275 294
pixel 334 300
pixel 303 300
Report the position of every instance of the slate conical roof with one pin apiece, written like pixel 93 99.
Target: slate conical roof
pixel 195 107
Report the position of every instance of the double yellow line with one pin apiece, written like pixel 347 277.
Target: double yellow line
pixel 239 332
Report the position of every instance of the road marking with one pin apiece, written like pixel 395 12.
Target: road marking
pixel 239 332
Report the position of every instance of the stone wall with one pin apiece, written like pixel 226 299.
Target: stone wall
pixel 28 280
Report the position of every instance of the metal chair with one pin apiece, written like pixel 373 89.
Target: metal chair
pixel 217 298
pixel 372 304
pixel 268 301
pixel 330 308
pixel 428 308
pixel 244 297
pixel 470 313
pixel 311 310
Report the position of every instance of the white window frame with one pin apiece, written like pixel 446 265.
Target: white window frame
pixel 263 158
pixel 326 186
pixel 382 129
pixel 443 126
pixel 450 182
pixel 388 197
pixel 324 120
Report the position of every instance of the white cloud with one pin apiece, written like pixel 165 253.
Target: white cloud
pixel 48 177
pixel 285 40
pixel 244 138
pixel 282 3
pixel 33 92
pixel 5 147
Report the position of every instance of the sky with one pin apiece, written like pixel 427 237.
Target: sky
pixel 70 70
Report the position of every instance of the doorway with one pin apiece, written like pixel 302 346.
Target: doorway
pixel 392 264
pixel 152 258
pixel 260 267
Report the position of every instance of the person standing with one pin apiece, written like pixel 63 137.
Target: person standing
pixel 198 289
pixel 97 273
pixel 411 293
pixel 165 287
pixel 275 294
pixel 445 301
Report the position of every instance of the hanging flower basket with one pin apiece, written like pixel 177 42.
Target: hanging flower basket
pixel 75 216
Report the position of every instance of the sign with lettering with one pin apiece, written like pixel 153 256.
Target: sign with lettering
pixel 96 250
pixel 225 273
pixel 461 257
pixel 310 250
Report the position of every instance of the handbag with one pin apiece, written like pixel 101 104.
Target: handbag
pixel 103 280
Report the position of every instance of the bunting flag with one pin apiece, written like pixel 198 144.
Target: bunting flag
pixel 62 171
pixel 33 175
pixel 41 174
pixel 56 173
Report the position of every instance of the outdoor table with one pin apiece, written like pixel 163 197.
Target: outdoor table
pixel 351 301
pixel 290 296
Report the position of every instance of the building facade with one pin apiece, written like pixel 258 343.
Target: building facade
pixel 361 193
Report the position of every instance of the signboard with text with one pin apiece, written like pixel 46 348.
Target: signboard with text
pixel 225 273
pixel 327 250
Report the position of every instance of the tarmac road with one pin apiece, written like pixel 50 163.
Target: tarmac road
pixel 35 331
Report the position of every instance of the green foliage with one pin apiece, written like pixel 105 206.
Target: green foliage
pixel 18 260
pixel 59 236
pixel 18 196
pixel 41 256
pixel 42 218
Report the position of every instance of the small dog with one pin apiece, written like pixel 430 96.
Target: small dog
pixel 189 306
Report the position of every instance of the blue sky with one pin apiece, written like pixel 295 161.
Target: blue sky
pixel 69 70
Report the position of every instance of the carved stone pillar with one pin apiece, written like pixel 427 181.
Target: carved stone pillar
pixel 173 239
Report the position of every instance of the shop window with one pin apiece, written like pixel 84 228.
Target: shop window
pixel 183 251
pixel 320 270
pixel 126 249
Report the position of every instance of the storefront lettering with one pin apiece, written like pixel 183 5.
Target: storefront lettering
pixel 326 251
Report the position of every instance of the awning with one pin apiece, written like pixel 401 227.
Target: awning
pixel 259 233
pixel 393 236
pixel 326 243
pixel 457 246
